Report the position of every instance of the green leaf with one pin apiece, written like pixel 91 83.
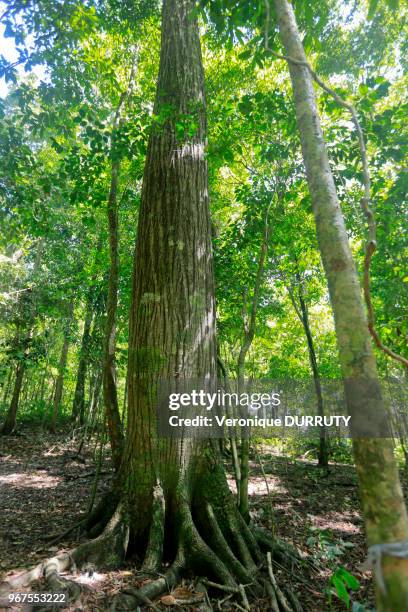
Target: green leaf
pixel 341 590
pixel 350 580
pixel 245 54
pixel 372 7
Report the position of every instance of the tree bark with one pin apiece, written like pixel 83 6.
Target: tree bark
pixel 172 316
pixel 380 489
pixel 175 484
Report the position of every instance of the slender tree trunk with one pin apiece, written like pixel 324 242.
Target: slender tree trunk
pixel 323 458
pixel 249 323
pixel 59 385
pixel 303 315
pixel 36 390
pixel 78 406
pixel 43 380
pixel 30 392
pixel 25 390
pixel 10 422
pixel 380 489
pixel 7 386
pixel 234 448
pixel 110 394
pixel 95 398
pixel 242 491
pixel 94 395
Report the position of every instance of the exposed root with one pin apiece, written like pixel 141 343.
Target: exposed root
pixel 239 590
pixel 55 584
pixel 279 594
pixel 222 548
pixel 108 550
pixel 243 550
pixel 100 516
pixel 23 579
pixel 213 541
pixel 240 525
pixel 244 597
pixel 281 551
pixel 221 587
pixel 294 601
pixel 49 572
pixel 203 558
pixel 154 552
pixel 130 598
pixel 272 595
pixel 204 549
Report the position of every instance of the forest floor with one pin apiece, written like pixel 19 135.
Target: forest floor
pixel 45 488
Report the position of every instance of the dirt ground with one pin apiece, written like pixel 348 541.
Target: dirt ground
pixel 45 488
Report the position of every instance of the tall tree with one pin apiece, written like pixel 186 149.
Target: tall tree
pixel 383 504
pixel 171 483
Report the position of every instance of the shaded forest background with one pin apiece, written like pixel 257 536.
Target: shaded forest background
pixel 73 149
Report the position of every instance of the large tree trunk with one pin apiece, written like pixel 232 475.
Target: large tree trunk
pixel 172 495
pixel 172 316
pixel 383 505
